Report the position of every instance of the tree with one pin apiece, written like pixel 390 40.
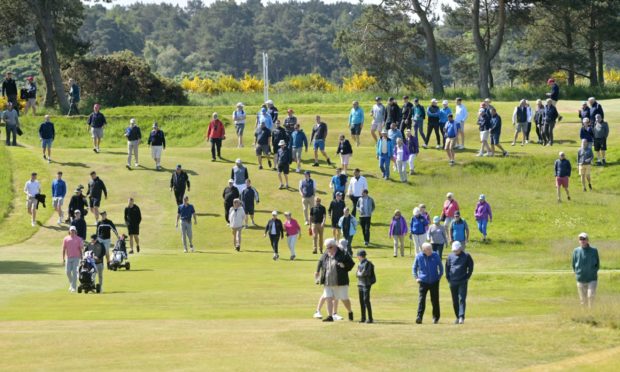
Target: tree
pixel 487 46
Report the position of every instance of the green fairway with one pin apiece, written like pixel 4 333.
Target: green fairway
pixel 218 309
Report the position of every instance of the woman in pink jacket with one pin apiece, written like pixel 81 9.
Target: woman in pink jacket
pixel 293 232
pixel 483 215
pixel 449 207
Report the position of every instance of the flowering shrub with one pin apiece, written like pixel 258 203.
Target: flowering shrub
pixel 359 82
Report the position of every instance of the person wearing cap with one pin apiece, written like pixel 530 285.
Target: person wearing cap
pixel 460 117
pixel 335 211
pixel 272 110
pixel 134 136
pixel 80 224
pixel 450 206
pixel 348 226
pixel 595 109
pixel 550 115
pixel 584 163
pixel 318 137
pixel 365 279
pixel 397 231
pixel 436 234
pixel 356 187
pixel 584 111
pixel 444 111
pixel 263 137
pixel 290 122
pixel 59 191
pixel 299 140
pixel 265 118
pixel 418 228
pixel 236 216
pixel 484 127
pixel 96 188
pixel 451 130
pixel 32 188
pixel 586 264
pixel 238 117
pixel 99 251
pixel 307 190
pixel 496 132
pixel 104 229
pixel 356 121
pixel 157 142
pixel 11 120
pixel 419 114
pixel 229 194
pixel 293 233
pixel 248 197
pixel 483 215
pixel 459 269
pixel 318 215
pixel 72 246
pixel 601 132
pixel 74 97
pixel 378 115
pixel 538 120
pixel 133 218
pixel 406 115
pixel 185 213
pixel 427 272
pixel 78 202
pixel 179 182
pixel 519 120
pixel 401 157
pixel 432 113
pixel 345 150
pixel 586 132
pixel 554 94
pixel 284 162
pixel 278 134
pixel 31 95
pixel 393 113
pixel 338 183
pixel 216 134
pixel 385 151
pixel 9 89
pixel 47 133
pixel 333 273
pixel 459 230
pixel 239 174
pixel 97 122
pixel 563 170
pixel 275 230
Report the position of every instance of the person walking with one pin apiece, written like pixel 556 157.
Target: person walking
pixel 338 183
pixel 307 190
pixel 78 202
pixel 335 211
pixel 284 162
pixel 229 194
pixel 71 254
pixel 413 146
pixel 562 175
pixel 11 121
pixel 550 115
pixel 554 94
pixel 263 136
pixel 134 136
pixel 318 137
pixel 59 191
pixel 216 134
pixel 406 115
pixel 459 269
pixel 401 157
pixel 133 218
pixel 96 188
pixel 586 264
pixel 272 110
pixel 398 230
pixel 74 98
pixel 366 206
pixel 333 273
pixel 419 114
pixel 584 162
pixel 538 120
pixel 248 197
pixel 393 113
pixel 32 189
pixel 460 117
pixel 97 122
pixel 185 213
pixel 496 132
pixel 236 216
pixel 348 226
pixel 586 132
pixel 80 225
pixel 432 113
pixel 318 215
pixel 356 122
pixel 179 182
pixel 345 150
pixel 450 206
pixel 278 134
pixel 47 133
pixel 265 118
pixel 451 132
pixel 530 117
pixel 595 109
pixel 378 115
pixel 427 272
pixel 385 151
pixel 99 252
pixel 239 174
pixel 290 122
pixel 356 187
pixel 157 142
pixel 483 215
pixel 459 231
pixel 520 120
pixel 9 89
pixel 484 127
pixel 436 234
pixel 444 112
pixel 105 228
pixel 293 233
pixel 298 142
pixel 601 132
pixel 238 117
pixel 275 230
pixel 418 228
pixel 365 279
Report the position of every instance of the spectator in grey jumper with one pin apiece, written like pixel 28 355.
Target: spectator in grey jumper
pixel 11 120
pixel 437 236
pixel 459 268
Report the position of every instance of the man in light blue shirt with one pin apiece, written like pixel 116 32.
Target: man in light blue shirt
pixel 185 214
pixel 356 121
pixel 59 191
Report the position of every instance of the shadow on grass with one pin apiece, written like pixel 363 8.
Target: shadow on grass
pixel 172 170
pixel 212 252
pixel 25 267
pixel 52 227
pixel 208 215
pixel 132 270
pixel 71 164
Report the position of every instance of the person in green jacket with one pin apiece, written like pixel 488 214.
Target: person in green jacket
pixel 585 265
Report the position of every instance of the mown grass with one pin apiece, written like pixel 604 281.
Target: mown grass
pixel 6 196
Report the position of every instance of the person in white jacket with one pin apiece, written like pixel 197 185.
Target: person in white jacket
pixel 236 216
pixel 460 116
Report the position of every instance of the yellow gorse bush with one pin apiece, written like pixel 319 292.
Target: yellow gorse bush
pixel 4 101
pixel 612 76
pixel 359 82
pixel 310 82
pixel 223 84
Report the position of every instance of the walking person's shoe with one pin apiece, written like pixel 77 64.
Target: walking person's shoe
pixel 362 320
pixel 131 251
pixel 584 189
pixel 337 317
pixel 479 154
pixel 604 162
pixel 184 250
pixel 457 321
pixel 329 162
pixel 328 319
pixel 350 316
pixel 438 147
pixel 317 315
pixel 191 248
pixel 269 163
pixel 238 248
pixel 138 248
pixel 260 167
pixel 512 144
pixel 314 251
pixel 435 320
pixel 128 166
pixel 136 165
pixel 425 146
pixel 213 159
pixel 281 187
pixel 418 320
pixel 293 258
pixel 315 164
pixel 369 321
pixel 505 153
pixel 568 197
pixel 590 186
pixel 461 320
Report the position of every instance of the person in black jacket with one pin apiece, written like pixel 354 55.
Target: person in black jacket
pixel 335 211
pixel 78 202
pixel 345 150
pixel 278 134
pixel 95 188
pixel 284 162
pixel 407 115
pixel 275 230
pixel 104 229
pixel 179 182
pixel 157 141
pixel 229 194
pixel 550 115
pixel 9 90
pixel 332 272
pixel 133 217
pixel 392 113
pixel 80 224
pixel 365 279
pixel 134 135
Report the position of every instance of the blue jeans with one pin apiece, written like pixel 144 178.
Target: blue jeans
pixel 482 227
pixel 384 164
pixel 11 130
pixel 418 125
pixel 459 295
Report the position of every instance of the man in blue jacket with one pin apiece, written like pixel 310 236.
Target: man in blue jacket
pixel 427 271
pixel 385 150
pixel 47 134
pixel 562 174
pixel 356 121
pixel 459 268
pixel 298 142
pixel 59 191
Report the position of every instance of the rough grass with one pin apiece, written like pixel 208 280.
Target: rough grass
pixel 6 196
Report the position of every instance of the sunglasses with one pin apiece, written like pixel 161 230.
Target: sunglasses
pixel 581 238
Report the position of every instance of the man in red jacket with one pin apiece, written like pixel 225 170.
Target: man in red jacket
pixel 215 135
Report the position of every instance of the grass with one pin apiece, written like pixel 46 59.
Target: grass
pixel 243 311
pixel 5 184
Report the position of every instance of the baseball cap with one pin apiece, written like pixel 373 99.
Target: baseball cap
pixel 72 228
pixel 482 197
pixel 282 143
pixel 361 253
pixel 274 213
pixel 307 172
pixel 456 246
pixel 583 235
pixel 436 219
pixel 377 98
pixel 231 180
pixel 238 161
pixel 179 166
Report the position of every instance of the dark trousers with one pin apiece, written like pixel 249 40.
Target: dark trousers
pixel 459 295
pixel 73 108
pixel 216 144
pixel 349 240
pixel 227 207
pixel 538 133
pixel 366 308
pixel 274 242
pixel 434 289
pixel 13 98
pixel 548 133
pixel 442 127
pixel 418 126
pixel 527 132
pixel 365 224
pixel 11 129
pixel 430 128
pixel 439 249
pixel 354 200
pixel 178 195
pixel 404 125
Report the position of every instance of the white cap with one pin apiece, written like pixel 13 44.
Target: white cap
pixel 449 195
pixel 282 142
pixel 238 161
pixel 132 121
pixel 274 213
pixel 433 100
pixel 445 102
pixel 239 104
pixel 456 246
pixel 582 235
pixel 269 102
pixel 72 228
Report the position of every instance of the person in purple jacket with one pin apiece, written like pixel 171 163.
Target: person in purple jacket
pixel 398 230
pixel 483 215
pixel 401 156
pixel 413 146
